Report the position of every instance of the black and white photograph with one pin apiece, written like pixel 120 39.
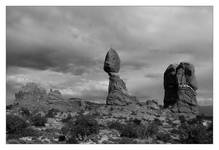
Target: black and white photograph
pixel 109 75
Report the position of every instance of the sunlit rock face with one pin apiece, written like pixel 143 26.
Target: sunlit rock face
pixel 117 91
pixel 180 87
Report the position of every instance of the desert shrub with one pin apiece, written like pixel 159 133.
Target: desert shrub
pixel 72 140
pixel 25 112
pixel 69 117
pixel 133 130
pixel 125 140
pixel 15 123
pixel 164 137
pixel 194 132
pixel 52 112
pixel 38 120
pixel 23 133
pixel 82 126
pixel 115 125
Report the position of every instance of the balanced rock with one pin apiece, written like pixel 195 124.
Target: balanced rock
pixel 112 61
pixel 117 92
pixel 180 89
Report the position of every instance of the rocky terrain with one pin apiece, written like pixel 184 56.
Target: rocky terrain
pixel 38 117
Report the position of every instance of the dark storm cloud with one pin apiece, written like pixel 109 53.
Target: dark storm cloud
pixel 44 58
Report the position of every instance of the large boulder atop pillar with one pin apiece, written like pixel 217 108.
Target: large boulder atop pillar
pixel 180 89
pixel 112 61
pixel 117 92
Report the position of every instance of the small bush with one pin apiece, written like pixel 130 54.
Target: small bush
pixel 116 125
pixel 15 123
pixel 133 130
pixel 69 117
pixel 52 112
pixel 25 112
pixel 164 137
pixel 38 120
pixel 84 125
pixel 193 132
pixel 23 133
pixel 125 140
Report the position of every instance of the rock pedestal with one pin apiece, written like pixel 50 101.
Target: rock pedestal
pixel 180 89
pixel 117 91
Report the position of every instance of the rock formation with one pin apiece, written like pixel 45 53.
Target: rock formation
pixel 180 89
pixel 55 95
pixel 31 92
pixel 117 91
pixel 32 96
pixel 170 86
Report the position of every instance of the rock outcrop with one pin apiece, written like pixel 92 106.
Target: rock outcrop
pixel 117 91
pixel 55 95
pixel 32 96
pixel 170 86
pixel 180 89
pixel 32 92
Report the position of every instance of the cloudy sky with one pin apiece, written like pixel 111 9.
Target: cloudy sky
pixel 64 48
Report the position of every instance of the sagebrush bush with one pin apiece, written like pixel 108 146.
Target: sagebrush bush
pixel 164 137
pixel 15 123
pixel 133 130
pixel 194 132
pixel 23 133
pixel 69 117
pixel 52 112
pixel 82 126
pixel 38 120
pixel 25 112
pixel 125 140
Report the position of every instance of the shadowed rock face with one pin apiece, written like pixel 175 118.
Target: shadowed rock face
pixel 170 86
pixel 112 61
pixel 117 91
pixel 180 88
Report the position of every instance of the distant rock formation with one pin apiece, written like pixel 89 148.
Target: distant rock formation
pixel 117 91
pixel 32 92
pixel 55 95
pixel 32 96
pixel 180 87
